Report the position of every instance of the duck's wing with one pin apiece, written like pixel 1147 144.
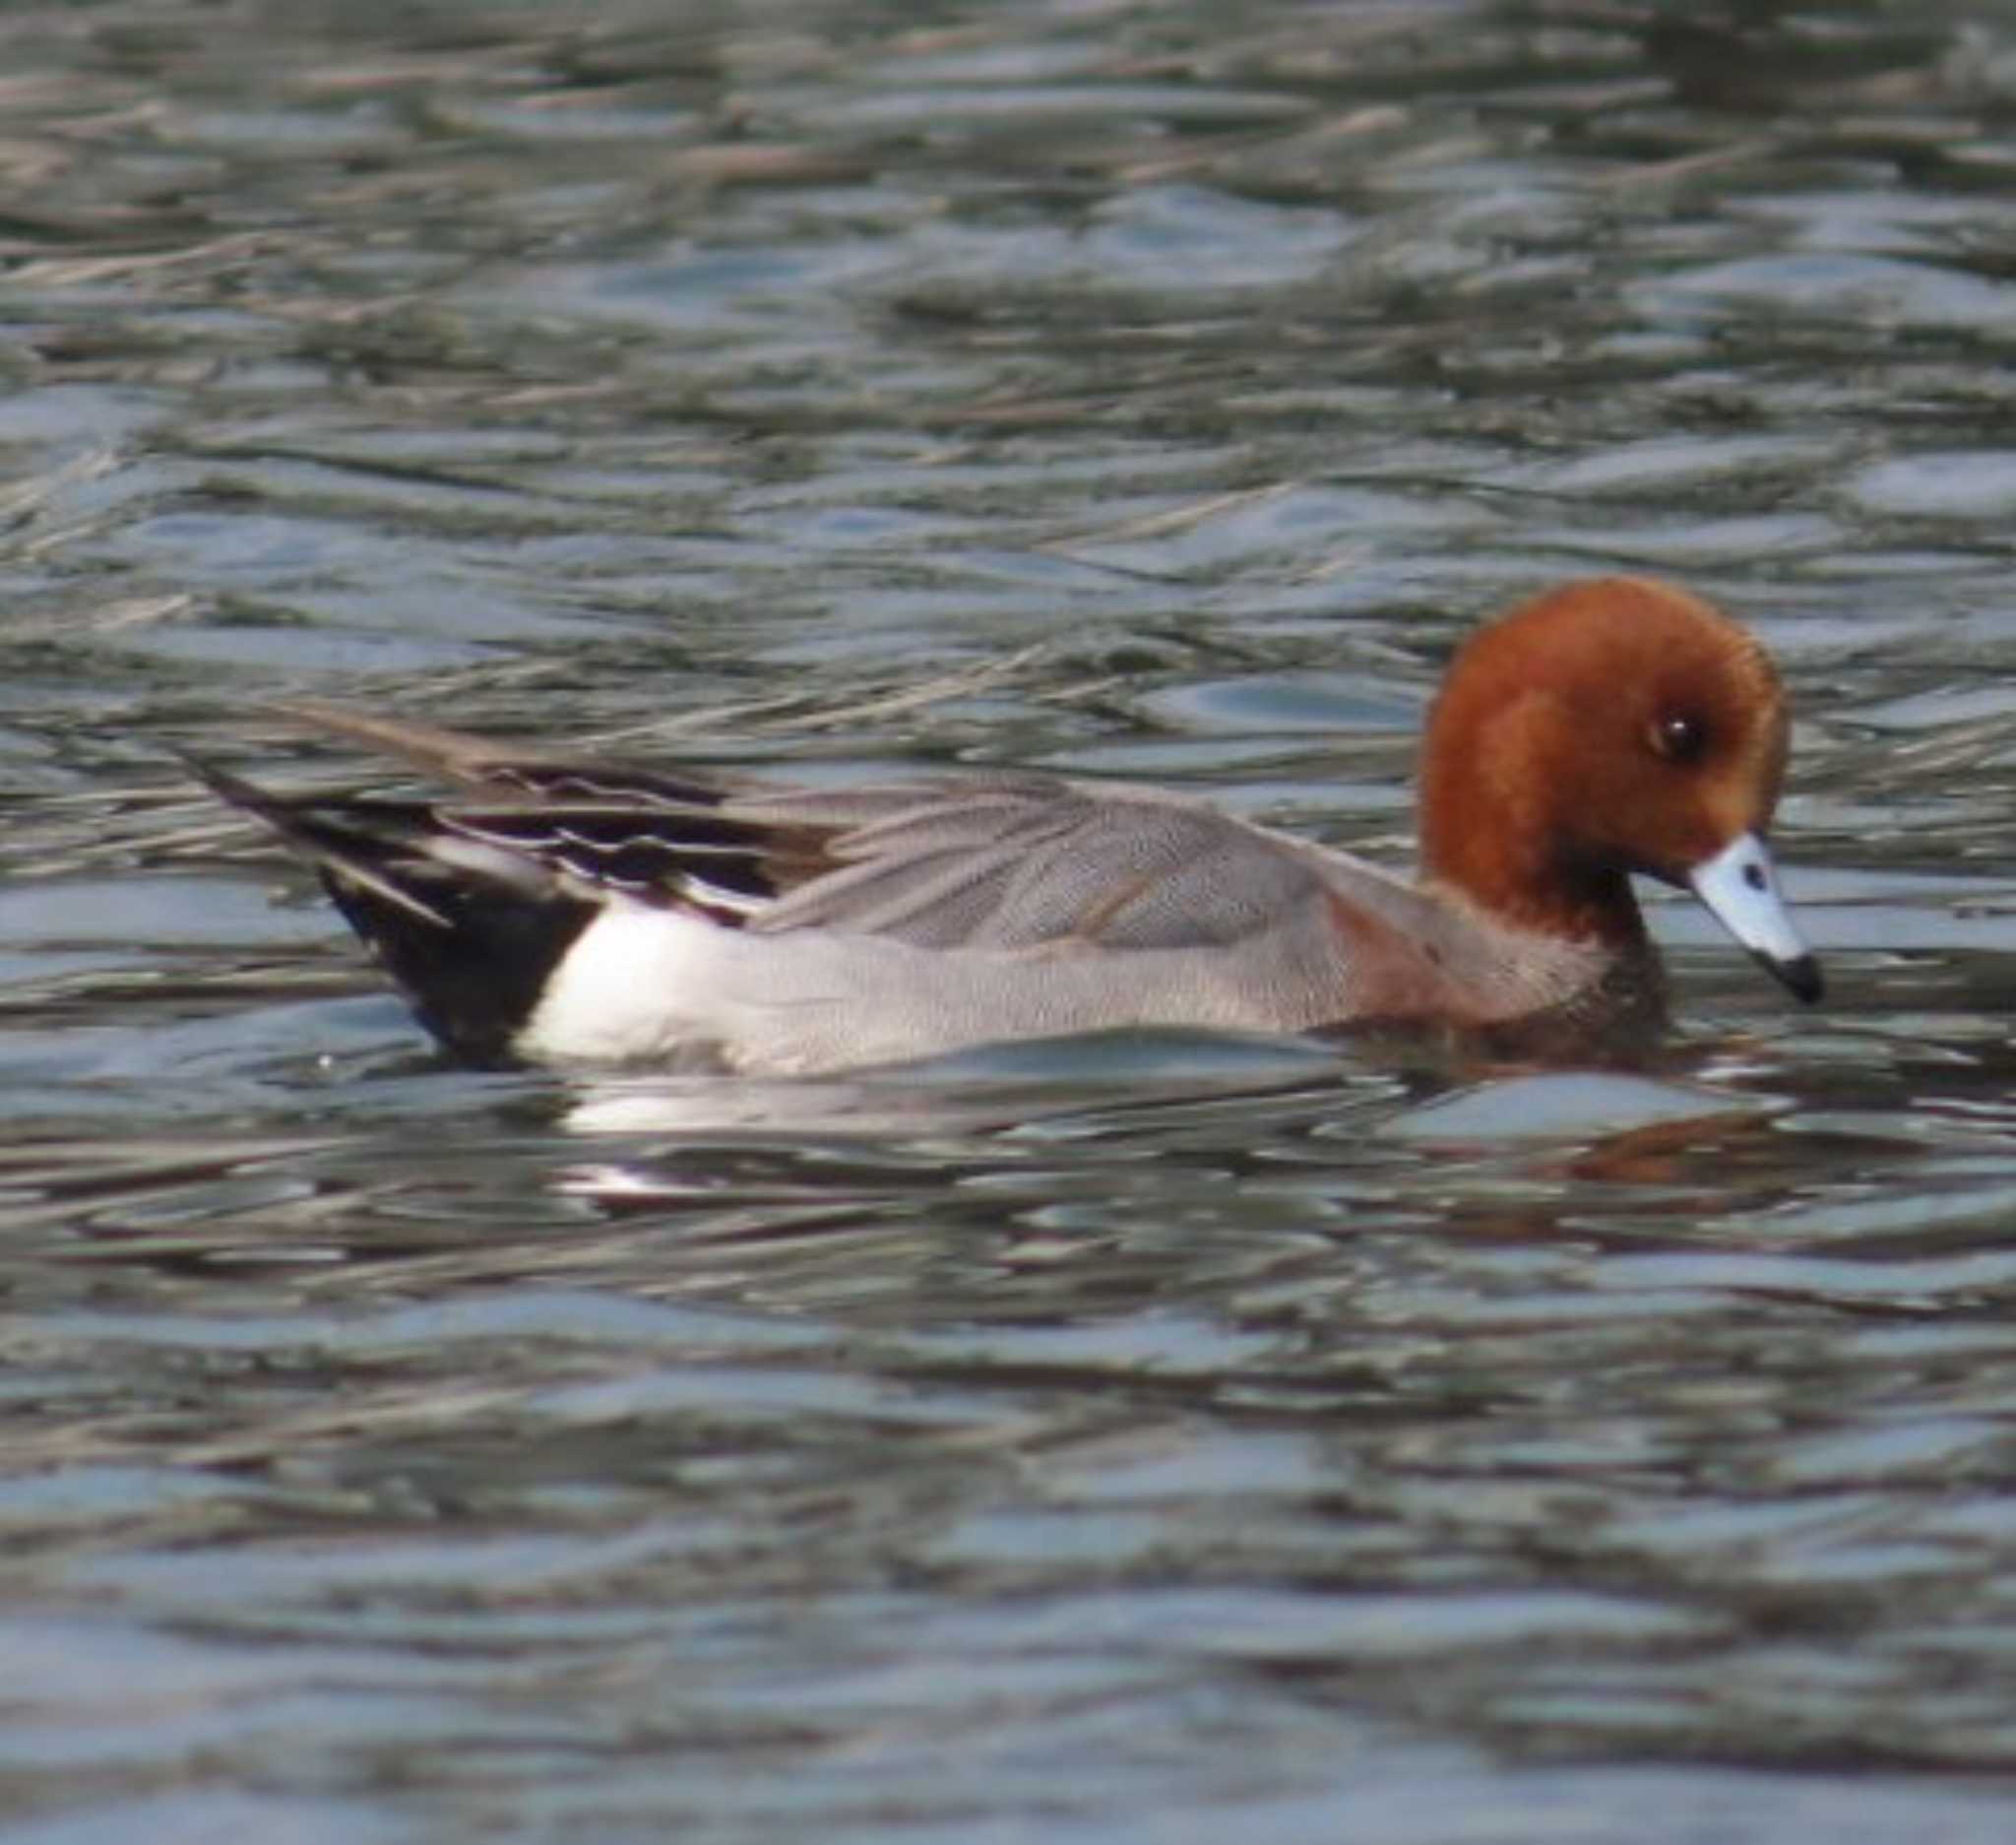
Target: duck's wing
pixel 1020 862
pixel 995 860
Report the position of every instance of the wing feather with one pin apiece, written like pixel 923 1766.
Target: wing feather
pixel 1002 861
pixel 1050 863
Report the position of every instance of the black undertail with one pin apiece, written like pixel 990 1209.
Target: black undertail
pixel 471 952
pixel 475 977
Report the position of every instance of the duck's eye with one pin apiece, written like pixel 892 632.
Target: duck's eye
pixel 1680 737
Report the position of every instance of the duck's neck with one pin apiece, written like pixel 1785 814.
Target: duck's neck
pixel 1585 904
pixel 1487 832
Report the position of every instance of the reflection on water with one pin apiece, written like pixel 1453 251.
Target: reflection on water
pixel 1186 1438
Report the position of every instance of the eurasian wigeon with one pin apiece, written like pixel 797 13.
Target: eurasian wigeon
pixel 572 910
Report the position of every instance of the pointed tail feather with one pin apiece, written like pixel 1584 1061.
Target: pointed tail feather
pixel 337 851
pixel 469 934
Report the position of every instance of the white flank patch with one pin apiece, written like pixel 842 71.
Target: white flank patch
pixel 632 988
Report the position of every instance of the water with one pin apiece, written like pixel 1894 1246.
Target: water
pixel 1157 1439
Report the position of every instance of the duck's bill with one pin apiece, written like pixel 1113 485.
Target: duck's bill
pixel 1739 886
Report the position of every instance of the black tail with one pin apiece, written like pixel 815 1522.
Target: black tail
pixel 470 934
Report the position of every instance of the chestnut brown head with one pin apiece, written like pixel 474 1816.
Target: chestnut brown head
pixel 1611 726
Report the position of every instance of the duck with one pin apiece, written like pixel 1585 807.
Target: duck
pixel 564 909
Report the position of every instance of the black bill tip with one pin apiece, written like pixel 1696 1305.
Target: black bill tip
pixel 1799 975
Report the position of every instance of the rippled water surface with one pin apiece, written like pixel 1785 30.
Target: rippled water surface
pixel 1152 1439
